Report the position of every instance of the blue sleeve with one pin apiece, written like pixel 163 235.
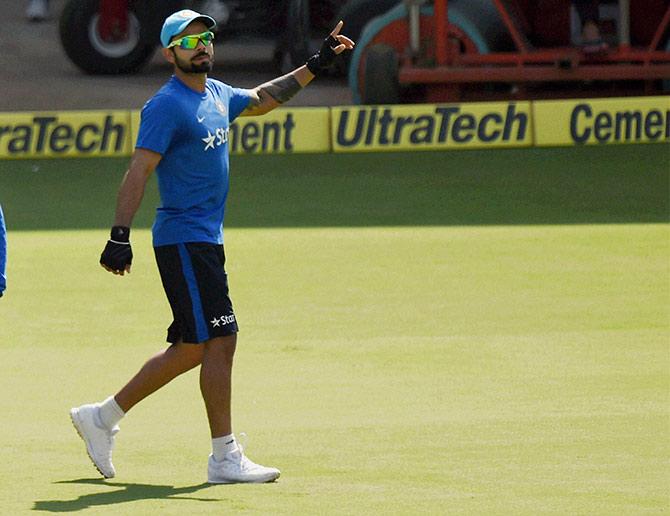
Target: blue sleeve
pixel 239 100
pixel 3 252
pixel 158 125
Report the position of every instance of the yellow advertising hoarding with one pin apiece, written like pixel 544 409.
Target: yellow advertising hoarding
pixel 64 134
pixel 134 128
pixel 280 131
pixel 602 121
pixel 360 128
pixel 431 127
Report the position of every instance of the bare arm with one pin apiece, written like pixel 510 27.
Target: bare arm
pixel 117 256
pixel 269 95
pixel 142 164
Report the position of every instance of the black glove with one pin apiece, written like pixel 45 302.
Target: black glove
pixel 324 58
pixel 117 253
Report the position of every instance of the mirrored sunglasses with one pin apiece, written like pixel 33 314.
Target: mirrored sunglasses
pixel 191 42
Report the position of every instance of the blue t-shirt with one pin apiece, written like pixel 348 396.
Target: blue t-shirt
pixel 190 130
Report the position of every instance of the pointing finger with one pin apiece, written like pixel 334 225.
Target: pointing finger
pixel 337 28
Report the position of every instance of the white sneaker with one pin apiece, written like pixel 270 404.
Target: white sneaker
pixel 37 10
pixel 99 440
pixel 237 468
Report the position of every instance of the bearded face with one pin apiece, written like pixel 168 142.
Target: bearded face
pixel 202 62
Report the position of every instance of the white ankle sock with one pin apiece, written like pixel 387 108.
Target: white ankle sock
pixel 110 413
pixel 222 446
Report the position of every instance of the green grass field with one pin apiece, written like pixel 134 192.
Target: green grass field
pixel 427 333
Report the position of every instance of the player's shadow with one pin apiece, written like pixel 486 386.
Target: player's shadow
pixel 122 493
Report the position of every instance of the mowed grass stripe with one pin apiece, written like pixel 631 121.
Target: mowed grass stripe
pixel 517 369
pixel 619 184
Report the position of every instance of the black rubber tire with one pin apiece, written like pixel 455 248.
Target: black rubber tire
pixel 357 13
pixel 78 37
pixel 307 25
pixel 380 76
pixel 298 32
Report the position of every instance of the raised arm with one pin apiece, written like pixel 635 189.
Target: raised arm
pixel 269 95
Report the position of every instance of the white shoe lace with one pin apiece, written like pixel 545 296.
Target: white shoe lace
pixel 245 463
pixel 111 435
pixel 242 441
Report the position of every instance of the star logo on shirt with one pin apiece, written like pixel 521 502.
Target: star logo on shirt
pixel 209 141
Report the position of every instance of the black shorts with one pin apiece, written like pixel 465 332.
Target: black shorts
pixel 196 285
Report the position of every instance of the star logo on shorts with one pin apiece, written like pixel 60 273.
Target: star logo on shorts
pixel 224 320
pixel 209 141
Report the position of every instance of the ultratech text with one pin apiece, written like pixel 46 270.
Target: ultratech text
pixel 379 126
pixel 47 135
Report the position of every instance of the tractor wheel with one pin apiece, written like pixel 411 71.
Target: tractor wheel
pixel 298 31
pixel 78 27
pixel 307 25
pixel 381 84
pixel 357 13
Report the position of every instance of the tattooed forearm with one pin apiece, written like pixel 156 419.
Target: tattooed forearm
pixel 281 89
pixel 274 93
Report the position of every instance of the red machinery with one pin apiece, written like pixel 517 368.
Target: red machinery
pixel 456 50
pixel 120 36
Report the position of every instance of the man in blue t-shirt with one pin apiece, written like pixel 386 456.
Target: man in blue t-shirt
pixel 183 136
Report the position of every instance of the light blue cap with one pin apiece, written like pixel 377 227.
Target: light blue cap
pixel 177 22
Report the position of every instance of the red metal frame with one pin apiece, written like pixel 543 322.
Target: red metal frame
pixel 113 21
pixel 535 65
pixel 661 30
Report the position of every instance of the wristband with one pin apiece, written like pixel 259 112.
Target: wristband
pixel 120 234
pixel 324 58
